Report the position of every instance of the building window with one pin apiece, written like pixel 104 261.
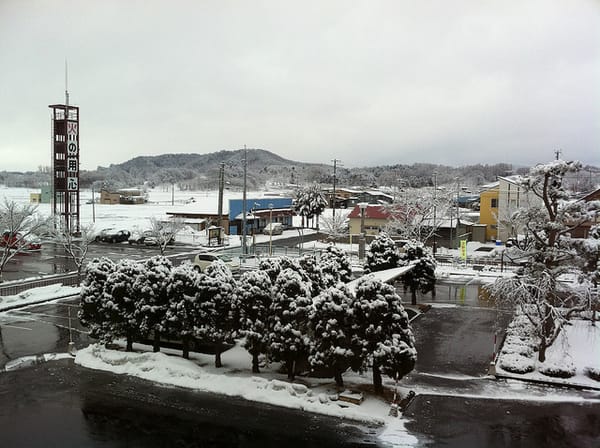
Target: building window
pixel 494 203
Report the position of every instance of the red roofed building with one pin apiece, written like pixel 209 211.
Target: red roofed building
pixel 376 218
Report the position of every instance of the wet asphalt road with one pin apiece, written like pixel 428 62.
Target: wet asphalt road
pixel 60 404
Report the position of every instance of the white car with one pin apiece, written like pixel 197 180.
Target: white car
pixel 274 228
pixel 203 260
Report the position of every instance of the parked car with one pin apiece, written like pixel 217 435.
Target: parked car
pixel 139 237
pixel 154 241
pixel 203 260
pixel 273 228
pixel 112 235
pixel 14 240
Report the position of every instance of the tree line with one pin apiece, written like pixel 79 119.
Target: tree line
pixel 298 312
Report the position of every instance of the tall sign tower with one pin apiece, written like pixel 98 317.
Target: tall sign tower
pixel 65 163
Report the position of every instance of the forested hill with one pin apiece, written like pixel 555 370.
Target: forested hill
pixel 266 169
pixel 200 171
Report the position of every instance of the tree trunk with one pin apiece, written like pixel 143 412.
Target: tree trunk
pixel 377 381
pixel 156 345
pixel 129 346
pixel 186 347
pixel 542 350
pixel 290 366
pixel 413 295
pixel 255 368
pixel 337 374
pixel 218 350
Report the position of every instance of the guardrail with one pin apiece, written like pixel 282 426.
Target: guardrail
pixel 477 263
pixel 16 287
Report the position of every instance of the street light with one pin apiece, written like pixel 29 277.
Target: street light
pixel 270 229
pixel 361 238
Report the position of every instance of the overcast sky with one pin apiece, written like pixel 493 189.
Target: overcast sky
pixel 367 82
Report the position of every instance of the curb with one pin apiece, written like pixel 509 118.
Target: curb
pixel 546 383
pixel 36 302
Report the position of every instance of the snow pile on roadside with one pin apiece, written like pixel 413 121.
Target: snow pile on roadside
pixel 37 295
pixel 176 371
pixel 576 351
pixel 27 361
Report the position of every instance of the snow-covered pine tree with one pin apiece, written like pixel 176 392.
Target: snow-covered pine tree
pixel 154 298
pixel 382 254
pixel 537 292
pixel 183 313
pixel 311 267
pixel 121 301
pixel 381 330
pixel 251 312
pixel 335 263
pixel 93 313
pixel 331 326
pixel 422 276
pixel 215 294
pixel 271 267
pixel 288 327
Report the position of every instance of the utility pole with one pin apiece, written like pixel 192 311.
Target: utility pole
pixel 220 204
pixel 335 161
pixel 557 153
pixel 457 210
pixel 244 231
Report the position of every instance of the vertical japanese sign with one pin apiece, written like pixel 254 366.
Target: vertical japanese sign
pixel 463 249
pixel 72 156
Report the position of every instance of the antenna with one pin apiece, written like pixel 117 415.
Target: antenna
pixel 66 85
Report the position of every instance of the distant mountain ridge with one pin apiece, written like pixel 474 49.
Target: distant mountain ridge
pixel 266 169
pixel 200 171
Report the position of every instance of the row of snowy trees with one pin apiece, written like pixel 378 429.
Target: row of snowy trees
pixel 384 254
pixel 294 311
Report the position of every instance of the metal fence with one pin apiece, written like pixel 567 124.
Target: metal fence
pixel 478 264
pixel 17 287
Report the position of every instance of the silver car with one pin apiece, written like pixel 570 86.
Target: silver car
pixel 203 260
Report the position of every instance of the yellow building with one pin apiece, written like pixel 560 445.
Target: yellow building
pixel 488 210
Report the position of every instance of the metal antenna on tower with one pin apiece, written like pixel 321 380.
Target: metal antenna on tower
pixel 557 153
pixel 66 88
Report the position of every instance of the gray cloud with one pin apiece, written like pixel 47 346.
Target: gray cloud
pixel 365 82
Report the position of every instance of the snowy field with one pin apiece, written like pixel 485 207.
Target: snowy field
pixel 160 201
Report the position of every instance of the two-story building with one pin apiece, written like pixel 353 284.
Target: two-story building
pixel 376 219
pixel 498 201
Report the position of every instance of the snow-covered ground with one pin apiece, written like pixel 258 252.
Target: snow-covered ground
pixel 582 345
pixel 235 379
pixel 160 201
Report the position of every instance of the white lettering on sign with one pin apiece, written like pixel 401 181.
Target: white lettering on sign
pixel 72 165
pixel 72 183
pixel 72 131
